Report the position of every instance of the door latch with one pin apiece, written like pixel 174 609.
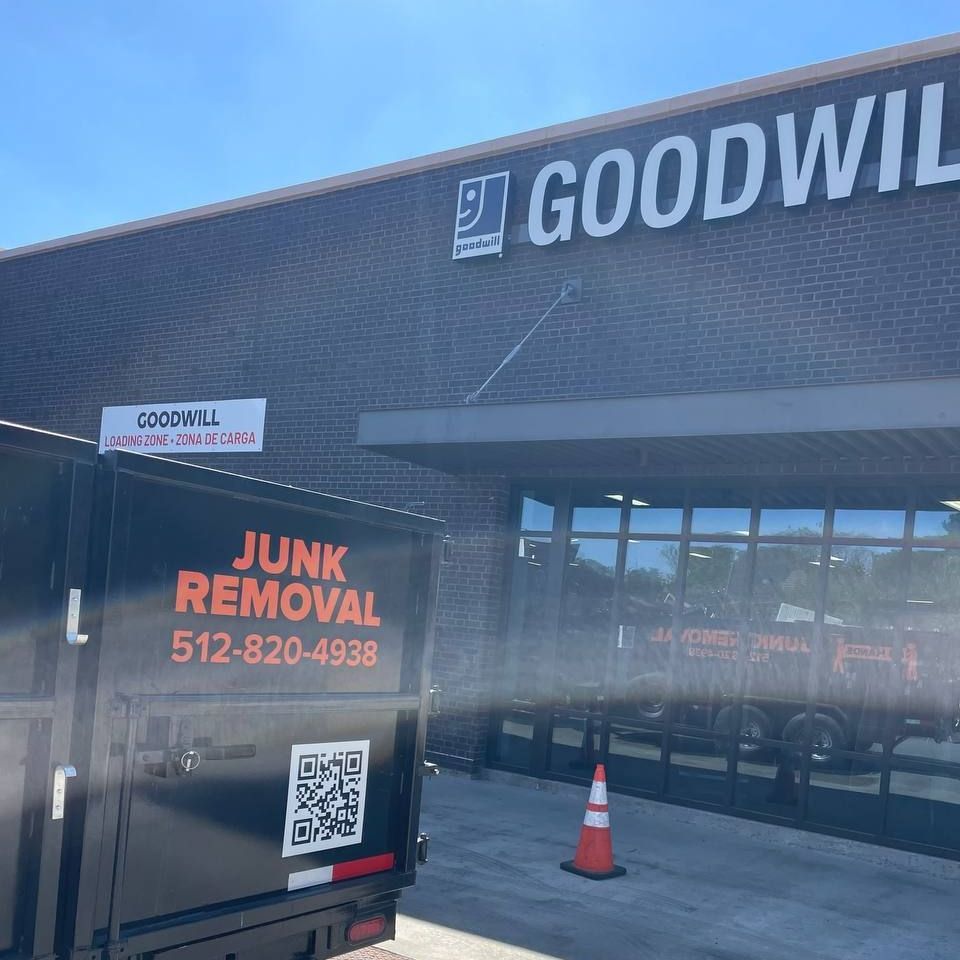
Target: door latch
pixel 186 757
pixel 62 772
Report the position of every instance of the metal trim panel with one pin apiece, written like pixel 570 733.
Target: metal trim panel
pixel 837 408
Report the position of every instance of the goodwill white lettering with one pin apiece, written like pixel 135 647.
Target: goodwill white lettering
pixel 553 198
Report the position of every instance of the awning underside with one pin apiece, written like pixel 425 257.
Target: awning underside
pixel 897 427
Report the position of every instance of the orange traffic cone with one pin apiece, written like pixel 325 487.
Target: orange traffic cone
pixel 594 856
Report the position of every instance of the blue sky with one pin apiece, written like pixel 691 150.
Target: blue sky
pixel 118 110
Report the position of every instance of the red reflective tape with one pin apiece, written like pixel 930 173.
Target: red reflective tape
pixel 598 807
pixel 360 868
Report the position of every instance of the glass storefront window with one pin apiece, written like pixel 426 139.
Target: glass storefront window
pixel 936 525
pixel 858 670
pixel 536 512
pixel 869 513
pixel 644 630
pixel 785 583
pixel 716 580
pixel 574 745
pixel 799 522
pixel 938 515
pixel 768 781
pixel 933 591
pixel 720 511
pixel 704 680
pixel 925 708
pixel 698 769
pixel 633 757
pixel 864 586
pixel 656 519
pixel 586 639
pixel 783 605
pixel 846 794
pixel 529 632
pixel 841 656
pixel 869 524
pixel 649 579
pixel 792 511
pixel 597 512
pixel 729 521
pixel 924 806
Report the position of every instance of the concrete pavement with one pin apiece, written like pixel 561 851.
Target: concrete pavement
pixel 699 885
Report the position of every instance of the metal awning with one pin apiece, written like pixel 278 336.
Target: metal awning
pixel 887 422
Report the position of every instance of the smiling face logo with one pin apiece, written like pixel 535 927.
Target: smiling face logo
pixel 481 212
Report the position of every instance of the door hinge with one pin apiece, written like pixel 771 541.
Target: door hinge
pixel 62 772
pixel 423 848
pixel 74 637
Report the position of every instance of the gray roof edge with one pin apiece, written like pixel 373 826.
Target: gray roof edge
pixel 874 405
pixel 926 49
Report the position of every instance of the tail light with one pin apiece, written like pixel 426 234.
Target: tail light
pixel 366 929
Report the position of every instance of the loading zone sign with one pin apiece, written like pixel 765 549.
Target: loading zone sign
pixel 214 426
pixel 481 214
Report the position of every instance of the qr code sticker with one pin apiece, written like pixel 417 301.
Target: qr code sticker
pixel 326 794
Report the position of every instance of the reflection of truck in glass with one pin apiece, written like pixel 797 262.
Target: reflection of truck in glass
pixel 212 709
pixel 865 688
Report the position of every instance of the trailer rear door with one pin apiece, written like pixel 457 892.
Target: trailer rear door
pixel 257 724
pixel 45 489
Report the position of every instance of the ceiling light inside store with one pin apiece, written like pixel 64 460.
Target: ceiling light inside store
pixel 952 504
pixel 921 601
pixel 702 556
pixel 619 498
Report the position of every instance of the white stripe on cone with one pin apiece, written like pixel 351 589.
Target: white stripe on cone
pixel 593 819
pixel 598 792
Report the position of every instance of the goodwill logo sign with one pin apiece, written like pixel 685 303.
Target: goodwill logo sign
pixel 876 144
pixel 481 213
pixel 213 426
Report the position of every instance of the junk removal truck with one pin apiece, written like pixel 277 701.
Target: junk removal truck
pixel 213 699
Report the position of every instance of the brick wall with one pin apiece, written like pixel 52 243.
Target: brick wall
pixel 349 301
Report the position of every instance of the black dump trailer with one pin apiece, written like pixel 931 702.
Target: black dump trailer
pixel 213 699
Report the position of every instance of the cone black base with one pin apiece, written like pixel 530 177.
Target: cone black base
pixel 609 875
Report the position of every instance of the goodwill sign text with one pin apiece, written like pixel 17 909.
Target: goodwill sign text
pixel 723 176
pixel 215 426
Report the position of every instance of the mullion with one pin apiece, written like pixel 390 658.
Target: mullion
pixel 743 631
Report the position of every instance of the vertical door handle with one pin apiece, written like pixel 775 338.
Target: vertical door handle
pixel 61 774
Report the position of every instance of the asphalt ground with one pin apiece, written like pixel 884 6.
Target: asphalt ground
pixel 698 885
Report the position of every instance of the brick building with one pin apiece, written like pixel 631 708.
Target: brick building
pixel 703 521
